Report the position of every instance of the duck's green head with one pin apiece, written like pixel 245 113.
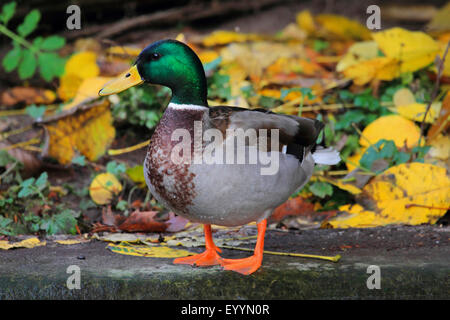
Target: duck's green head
pixel 169 63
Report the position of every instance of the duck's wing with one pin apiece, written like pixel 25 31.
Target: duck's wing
pixel 296 134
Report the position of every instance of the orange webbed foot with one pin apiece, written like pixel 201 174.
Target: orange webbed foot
pixel 209 257
pixel 244 266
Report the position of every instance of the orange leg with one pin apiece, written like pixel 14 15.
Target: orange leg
pixel 251 264
pixel 209 257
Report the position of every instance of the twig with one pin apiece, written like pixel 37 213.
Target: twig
pixel 115 152
pixel 301 255
pixel 440 69
pixel 172 16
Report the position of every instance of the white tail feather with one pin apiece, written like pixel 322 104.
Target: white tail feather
pixel 327 156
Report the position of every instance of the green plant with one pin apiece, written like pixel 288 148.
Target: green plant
pixel 27 55
pixel 141 105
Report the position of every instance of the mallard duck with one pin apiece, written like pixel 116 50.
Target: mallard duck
pixel 220 193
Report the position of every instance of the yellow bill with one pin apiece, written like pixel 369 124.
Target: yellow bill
pixel 124 81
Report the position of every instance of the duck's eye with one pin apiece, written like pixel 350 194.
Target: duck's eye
pixel 155 56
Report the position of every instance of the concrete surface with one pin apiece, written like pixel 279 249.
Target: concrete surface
pixel 414 264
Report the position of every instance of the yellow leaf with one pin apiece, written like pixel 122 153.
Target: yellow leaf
pixel 440 147
pixel 124 51
pixel 148 251
pixel 382 68
pixel 83 64
pixel 411 193
pixel 104 187
pixel 440 21
pixel 68 242
pixel 28 243
pixel 403 97
pixel 222 37
pixel 391 127
pixel 80 66
pixel 305 21
pixel 353 161
pixel 88 130
pixel 360 51
pixel 343 27
pixel 208 56
pixel 416 111
pixel 413 49
pixel 88 90
pixel 340 184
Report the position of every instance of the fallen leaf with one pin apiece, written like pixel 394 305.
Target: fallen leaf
pixel 412 49
pixel 80 66
pixel 87 91
pixel 416 111
pixel 142 221
pixel 69 242
pixel 27 96
pixel 391 127
pixel 27 243
pixel 403 97
pixel 411 193
pixel 382 68
pixel 342 27
pixel 440 147
pixel 443 121
pixel 360 51
pixel 104 188
pixel 87 129
pixel 148 251
pixel 222 37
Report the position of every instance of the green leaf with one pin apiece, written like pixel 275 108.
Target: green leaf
pixel 7 12
pixel 52 43
pixel 320 45
pixel 5 158
pixel 63 222
pixel 24 192
pixel 35 111
pixel 115 168
pixel 27 66
pixel 30 23
pixel 80 160
pixel 37 41
pixel 27 183
pixel 41 181
pixel 50 65
pixel 321 189
pixel 12 58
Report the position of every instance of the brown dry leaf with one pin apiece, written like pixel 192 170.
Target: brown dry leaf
pixel 87 130
pixel 31 164
pixel 27 95
pixel 411 193
pixel 443 122
pixel 142 221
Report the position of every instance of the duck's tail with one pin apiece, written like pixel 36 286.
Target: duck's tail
pixel 328 156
